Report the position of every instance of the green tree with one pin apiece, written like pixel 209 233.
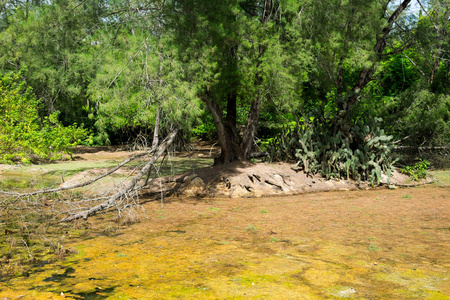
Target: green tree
pixel 50 43
pixel 24 137
pixel 139 88
pixel 411 88
pixel 238 57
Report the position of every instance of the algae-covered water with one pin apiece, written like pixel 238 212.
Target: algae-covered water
pixel 379 244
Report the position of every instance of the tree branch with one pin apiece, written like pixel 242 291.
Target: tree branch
pixel 114 198
pixel 83 184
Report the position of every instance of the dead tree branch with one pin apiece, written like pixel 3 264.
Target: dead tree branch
pixel 83 184
pixel 128 188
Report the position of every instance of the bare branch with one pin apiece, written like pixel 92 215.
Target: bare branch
pixel 128 188
pixel 411 61
pixel 83 184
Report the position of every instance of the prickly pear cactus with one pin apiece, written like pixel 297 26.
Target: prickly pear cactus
pixel 362 152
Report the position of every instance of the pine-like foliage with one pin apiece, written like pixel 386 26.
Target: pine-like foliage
pixel 363 153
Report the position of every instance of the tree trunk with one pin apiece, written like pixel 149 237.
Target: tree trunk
pixel 228 140
pixel 155 141
pixel 231 145
pixel 252 126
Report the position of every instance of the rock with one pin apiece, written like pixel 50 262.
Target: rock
pixel 189 178
pixel 193 188
pixel 384 178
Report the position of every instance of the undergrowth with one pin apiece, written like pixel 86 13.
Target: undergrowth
pixel 418 171
pixel 361 151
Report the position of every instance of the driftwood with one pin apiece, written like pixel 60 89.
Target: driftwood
pixel 128 188
pixel 421 183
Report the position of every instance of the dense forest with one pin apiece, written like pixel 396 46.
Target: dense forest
pixel 332 84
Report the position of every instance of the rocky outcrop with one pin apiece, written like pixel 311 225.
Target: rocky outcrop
pixel 193 186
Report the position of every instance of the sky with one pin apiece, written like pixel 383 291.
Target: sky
pixel 414 7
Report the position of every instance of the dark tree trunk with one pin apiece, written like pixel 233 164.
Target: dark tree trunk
pixel 231 145
pixel 228 141
pixel 252 126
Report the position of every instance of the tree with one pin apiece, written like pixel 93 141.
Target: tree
pixel 50 43
pixel 349 39
pixel 410 91
pixel 235 54
pixel 24 137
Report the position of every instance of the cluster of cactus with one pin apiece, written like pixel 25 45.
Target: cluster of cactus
pixel 359 151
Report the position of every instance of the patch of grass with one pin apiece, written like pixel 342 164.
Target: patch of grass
pixel 441 175
pixel 263 211
pixel 372 247
pixel 274 240
pixel 407 196
pixel 251 228
pixel 253 280
pixel 214 209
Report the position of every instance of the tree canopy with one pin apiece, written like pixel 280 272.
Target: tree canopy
pixel 243 68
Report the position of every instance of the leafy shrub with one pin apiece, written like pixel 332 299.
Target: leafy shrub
pixel 23 136
pixel 418 171
pixel 359 151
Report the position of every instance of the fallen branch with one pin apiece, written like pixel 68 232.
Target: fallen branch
pixel 422 148
pixel 79 185
pixel 415 184
pixel 130 186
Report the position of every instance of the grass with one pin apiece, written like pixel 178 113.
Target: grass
pixel 441 175
pixel 251 228
pixel 372 247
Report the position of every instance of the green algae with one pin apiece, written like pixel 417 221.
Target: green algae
pixel 186 256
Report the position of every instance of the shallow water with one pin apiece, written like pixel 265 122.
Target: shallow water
pixel 378 244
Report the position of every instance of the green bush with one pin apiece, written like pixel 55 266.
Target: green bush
pixel 418 171
pixel 24 137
